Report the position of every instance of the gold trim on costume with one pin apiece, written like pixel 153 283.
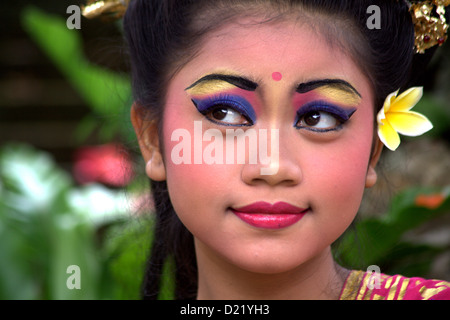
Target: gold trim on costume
pixel 351 286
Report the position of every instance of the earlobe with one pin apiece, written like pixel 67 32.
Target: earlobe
pixel 371 177
pixel 155 169
pixel 147 136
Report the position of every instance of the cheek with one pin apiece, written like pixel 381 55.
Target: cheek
pixel 347 172
pixel 342 169
pixel 189 182
pixel 336 192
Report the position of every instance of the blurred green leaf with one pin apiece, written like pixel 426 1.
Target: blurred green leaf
pixel 107 93
pixel 72 244
pixel 381 237
pixel 167 291
pixel 410 259
pixel 127 246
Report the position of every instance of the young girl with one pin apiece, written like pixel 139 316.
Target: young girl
pixel 261 124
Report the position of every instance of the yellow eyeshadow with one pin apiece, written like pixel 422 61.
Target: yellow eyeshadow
pixel 338 95
pixel 210 87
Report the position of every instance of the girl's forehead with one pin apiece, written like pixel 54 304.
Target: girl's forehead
pixel 282 52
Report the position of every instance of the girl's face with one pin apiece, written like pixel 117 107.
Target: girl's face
pixel 308 103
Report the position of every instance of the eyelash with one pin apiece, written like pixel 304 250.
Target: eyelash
pixel 342 115
pixel 236 103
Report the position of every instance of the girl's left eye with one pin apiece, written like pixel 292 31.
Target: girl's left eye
pixel 318 121
pixel 322 117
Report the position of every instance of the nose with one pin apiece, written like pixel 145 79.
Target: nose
pixel 281 168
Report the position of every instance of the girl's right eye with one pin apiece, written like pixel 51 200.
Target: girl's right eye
pixel 226 115
pixel 226 110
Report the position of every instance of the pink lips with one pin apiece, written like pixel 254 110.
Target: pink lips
pixel 270 216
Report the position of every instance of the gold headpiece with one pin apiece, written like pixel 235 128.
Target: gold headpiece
pixel 105 9
pixel 430 30
pixel 428 17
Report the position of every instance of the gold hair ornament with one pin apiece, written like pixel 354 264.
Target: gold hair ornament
pixel 430 26
pixel 105 9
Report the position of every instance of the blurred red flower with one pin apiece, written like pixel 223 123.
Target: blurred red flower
pixel 431 201
pixel 109 164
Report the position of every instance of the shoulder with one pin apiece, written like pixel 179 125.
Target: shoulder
pixel 362 285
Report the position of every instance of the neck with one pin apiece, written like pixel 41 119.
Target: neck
pixel 319 278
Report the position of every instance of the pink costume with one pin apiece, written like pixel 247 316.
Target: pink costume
pixel 360 286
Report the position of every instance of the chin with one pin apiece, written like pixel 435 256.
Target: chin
pixel 270 264
pixel 271 269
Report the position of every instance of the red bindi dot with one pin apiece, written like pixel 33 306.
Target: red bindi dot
pixel 276 76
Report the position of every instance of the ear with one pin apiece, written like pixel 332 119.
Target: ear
pixel 371 177
pixel 147 135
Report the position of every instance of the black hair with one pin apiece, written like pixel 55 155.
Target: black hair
pixel 163 35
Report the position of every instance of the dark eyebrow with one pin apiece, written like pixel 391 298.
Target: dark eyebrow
pixel 336 83
pixel 237 81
